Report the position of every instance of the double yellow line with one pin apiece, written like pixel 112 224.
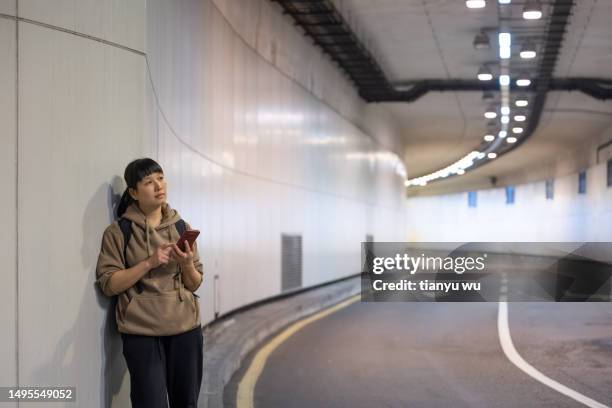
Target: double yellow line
pixel 246 388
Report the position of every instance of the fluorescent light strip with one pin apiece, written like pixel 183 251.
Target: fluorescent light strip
pixel 454 168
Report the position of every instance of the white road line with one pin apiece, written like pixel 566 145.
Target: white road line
pixel 506 342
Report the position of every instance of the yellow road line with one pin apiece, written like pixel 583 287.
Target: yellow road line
pixel 246 388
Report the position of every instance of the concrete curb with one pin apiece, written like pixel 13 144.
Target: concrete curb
pixel 227 342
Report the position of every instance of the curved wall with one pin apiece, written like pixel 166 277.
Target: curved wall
pixel 568 217
pixel 258 133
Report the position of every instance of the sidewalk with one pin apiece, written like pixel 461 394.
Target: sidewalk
pixel 228 340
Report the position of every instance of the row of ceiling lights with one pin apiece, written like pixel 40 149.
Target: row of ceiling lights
pixel 531 11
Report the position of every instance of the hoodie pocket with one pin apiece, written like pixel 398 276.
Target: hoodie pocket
pixel 160 315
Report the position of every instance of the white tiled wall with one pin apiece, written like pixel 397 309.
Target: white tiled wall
pixel 265 155
pixel 569 217
pixel 258 136
pixel 7 7
pixel 81 116
pixel 8 173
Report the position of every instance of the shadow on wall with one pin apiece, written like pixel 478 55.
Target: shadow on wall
pixel 114 368
pixel 73 356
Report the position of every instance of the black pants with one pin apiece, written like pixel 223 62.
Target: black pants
pixel 164 369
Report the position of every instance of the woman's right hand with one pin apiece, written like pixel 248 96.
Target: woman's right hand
pixel 160 256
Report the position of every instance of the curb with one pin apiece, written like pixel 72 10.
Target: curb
pixel 228 341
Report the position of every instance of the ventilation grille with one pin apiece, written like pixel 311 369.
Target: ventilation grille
pixel 291 261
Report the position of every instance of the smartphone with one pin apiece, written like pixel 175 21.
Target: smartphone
pixel 189 236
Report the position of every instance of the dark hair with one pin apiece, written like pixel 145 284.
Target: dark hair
pixel 134 172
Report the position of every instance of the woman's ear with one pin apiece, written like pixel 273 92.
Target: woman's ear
pixel 132 193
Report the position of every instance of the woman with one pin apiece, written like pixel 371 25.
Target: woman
pixel 157 312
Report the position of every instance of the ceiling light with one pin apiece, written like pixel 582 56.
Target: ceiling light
pixel 504 80
pixel 461 164
pixel 490 113
pixel 521 101
pixel 505 119
pixel 489 138
pixel 511 139
pixel 492 155
pixel 475 3
pixel 484 73
pixel 460 171
pixel 532 10
pixel 519 118
pixel 481 41
pixel 523 81
pixel 505 110
pixel 480 155
pixel 502 134
pixel 528 51
pixel 505 42
pixel 517 130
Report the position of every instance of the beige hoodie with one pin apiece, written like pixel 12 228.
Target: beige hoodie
pixel 165 306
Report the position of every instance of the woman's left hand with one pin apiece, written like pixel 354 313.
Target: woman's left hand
pixel 183 258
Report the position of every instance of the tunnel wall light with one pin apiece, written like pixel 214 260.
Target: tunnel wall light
pixel 492 155
pixel 505 1
pixel 489 138
pixel 455 168
pixel 532 10
pixel 517 130
pixel 490 113
pixel 520 118
pixel 511 139
pixel 475 4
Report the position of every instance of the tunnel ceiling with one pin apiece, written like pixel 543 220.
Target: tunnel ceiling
pixel 417 58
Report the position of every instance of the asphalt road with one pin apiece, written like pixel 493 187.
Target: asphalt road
pixel 438 355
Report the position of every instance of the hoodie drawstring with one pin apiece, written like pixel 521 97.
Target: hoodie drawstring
pixel 166 217
pixel 180 274
pixel 147 233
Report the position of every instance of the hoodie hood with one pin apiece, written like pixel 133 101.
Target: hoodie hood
pixel 135 214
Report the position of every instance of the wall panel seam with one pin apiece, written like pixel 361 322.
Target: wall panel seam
pixel 244 173
pixel 17 380
pixel 68 31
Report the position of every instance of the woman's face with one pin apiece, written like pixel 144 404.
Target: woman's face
pixel 151 190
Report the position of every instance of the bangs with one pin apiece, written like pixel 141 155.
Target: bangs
pixel 139 169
